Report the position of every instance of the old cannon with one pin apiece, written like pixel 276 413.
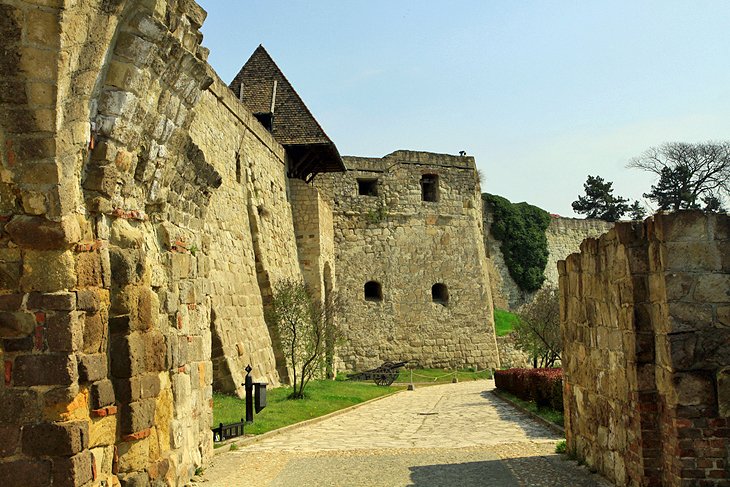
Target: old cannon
pixel 384 375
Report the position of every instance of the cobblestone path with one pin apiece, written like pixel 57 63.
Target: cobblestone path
pixel 447 435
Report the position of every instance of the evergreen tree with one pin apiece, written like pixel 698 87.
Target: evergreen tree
pixel 637 210
pixel 599 201
pixel 673 190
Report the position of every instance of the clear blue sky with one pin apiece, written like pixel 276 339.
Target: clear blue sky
pixel 540 93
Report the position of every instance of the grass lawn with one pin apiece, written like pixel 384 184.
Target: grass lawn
pixel 504 322
pixel 322 397
pixel 546 413
pixel 440 376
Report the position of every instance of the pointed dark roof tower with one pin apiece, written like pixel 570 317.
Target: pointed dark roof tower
pixel 264 89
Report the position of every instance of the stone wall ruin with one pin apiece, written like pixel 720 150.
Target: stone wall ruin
pixel 645 312
pixel 144 218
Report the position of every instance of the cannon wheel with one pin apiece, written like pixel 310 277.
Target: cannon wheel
pixel 385 377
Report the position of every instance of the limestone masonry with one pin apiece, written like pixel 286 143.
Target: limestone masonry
pixel 148 213
pixel 646 325
pixel 410 261
pixel 564 236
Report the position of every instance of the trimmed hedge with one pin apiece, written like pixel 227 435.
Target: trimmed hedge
pixel 544 386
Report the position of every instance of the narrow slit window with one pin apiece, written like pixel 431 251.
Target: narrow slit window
pixel 373 291
pixel 430 187
pixel 440 293
pixel 367 187
pixel 238 168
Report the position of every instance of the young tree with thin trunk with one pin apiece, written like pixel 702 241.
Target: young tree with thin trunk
pixel 305 326
pixel 538 328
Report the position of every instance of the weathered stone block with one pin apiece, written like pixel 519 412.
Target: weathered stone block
pixel 692 256
pixel 94 333
pixel 127 266
pixel 713 288
pixel 92 367
pixel 51 439
pixel 10 435
pixel 26 473
pixel 682 226
pixel 88 269
pixel 139 479
pixel 73 471
pixel 103 179
pixel 10 274
pixel 102 394
pixel 44 370
pixel 155 351
pixel 180 265
pixel 43 28
pixel 103 432
pixel 723 315
pixel 148 306
pixel 62 301
pixel 723 392
pixel 137 416
pixel 18 344
pixel 34 232
pixel 87 300
pixel 128 390
pixel 150 385
pixel 48 271
pixel 124 235
pixel 10 302
pixel 127 355
pixel 119 325
pixel 18 324
pixel 64 331
pixel 19 406
pixel 693 389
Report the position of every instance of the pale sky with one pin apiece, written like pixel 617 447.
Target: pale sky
pixel 541 93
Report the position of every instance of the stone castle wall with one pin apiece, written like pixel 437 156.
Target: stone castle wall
pixel 509 355
pixel 644 311
pixel 564 236
pixel 407 245
pixel 144 219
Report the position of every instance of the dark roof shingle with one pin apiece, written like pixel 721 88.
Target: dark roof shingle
pixel 292 124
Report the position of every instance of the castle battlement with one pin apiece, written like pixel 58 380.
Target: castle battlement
pixel 422 158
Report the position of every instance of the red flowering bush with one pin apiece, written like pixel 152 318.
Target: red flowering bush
pixel 544 386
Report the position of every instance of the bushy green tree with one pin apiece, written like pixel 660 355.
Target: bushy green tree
pixel 538 329
pixel 304 326
pixel 688 174
pixel 637 211
pixel 520 228
pixel 599 201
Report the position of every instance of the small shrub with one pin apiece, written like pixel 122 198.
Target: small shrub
pixel 234 447
pixel 561 447
pixel 544 386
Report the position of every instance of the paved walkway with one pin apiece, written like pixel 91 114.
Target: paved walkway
pixel 446 435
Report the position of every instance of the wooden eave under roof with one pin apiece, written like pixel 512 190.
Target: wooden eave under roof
pixel 310 151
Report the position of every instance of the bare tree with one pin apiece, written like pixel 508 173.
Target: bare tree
pixel 305 327
pixel 538 328
pixel 688 174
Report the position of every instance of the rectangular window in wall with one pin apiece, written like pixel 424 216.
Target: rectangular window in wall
pixel 430 187
pixel 367 187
